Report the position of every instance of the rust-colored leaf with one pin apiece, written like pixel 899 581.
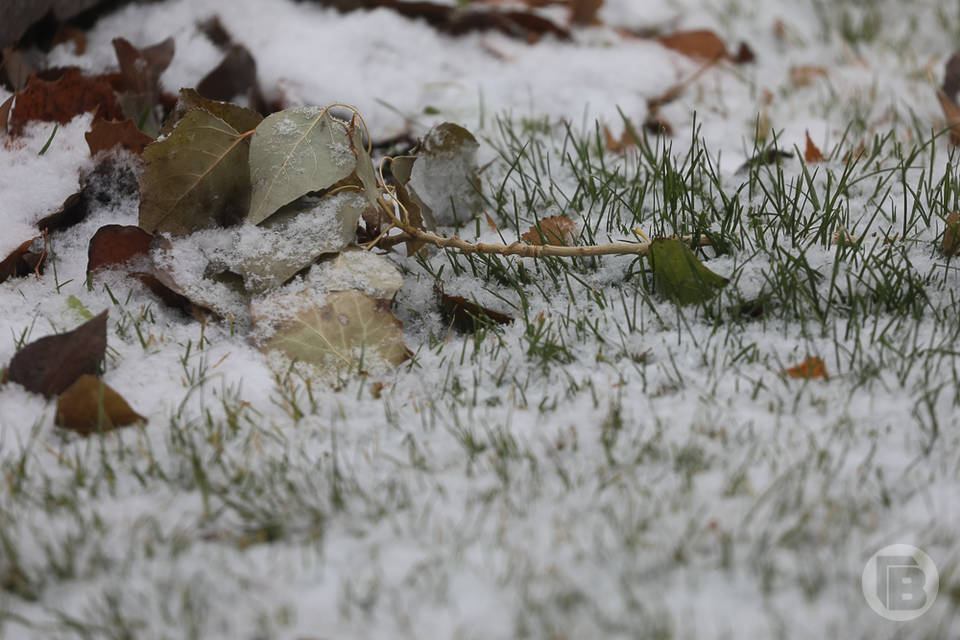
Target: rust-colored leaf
pixel 22 261
pixel 804 76
pixel 812 154
pixel 89 405
pixel 107 134
pixel 553 230
pixel 491 223
pixel 625 142
pixel 584 12
pixel 700 43
pixel 952 113
pixel 61 100
pixel 951 235
pixel 812 367
pixel 465 315
pixel 114 244
pixel 5 113
pixel 51 364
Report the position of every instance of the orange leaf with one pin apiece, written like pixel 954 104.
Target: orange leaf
pixel 490 223
pixel 700 43
pixel 804 76
pixel 62 99
pixel 626 140
pixel 107 134
pixel 553 230
pixel 812 367
pixel 812 153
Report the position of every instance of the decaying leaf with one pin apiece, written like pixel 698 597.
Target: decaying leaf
pixel 552 230
pixel 114 245
pixel 89 405
pixel 584 12
pixel 812 154
pixel 679 274
pixel 445 176
pixel 413 207
pixel 625 142
pixel 952 113
pixel 240 118
pixel 700 43
pixel 139 89
pixel 812 367
pixel 951 235
pixel 51 364
pixel 195 178
pixel 348 332
pixel 21 261
pixel 804 76
pixel 60 100
pixel 107 134
pixel 293 153
pixel 236 75
pixel 465 315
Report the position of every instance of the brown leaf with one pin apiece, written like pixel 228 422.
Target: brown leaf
pixel 812 153
pixel 951 77
pixel 116 244
pixel 744 54
pixel 89 405
pixel 553 230
pixel 169 293
pixel 490 223
pixel 625 142
pixel 952 113
pixel 107 134
pixel 5 114
pixel 804 76
pixel 68 33
pixel 141 68
pixel 15 70
pixel 465 315
pixel 21 262
pixel 700 43
pixel 62 99
pixel 951 235
pixel 236 75
pixel 584 12
pixel 51 364
pixel 812 367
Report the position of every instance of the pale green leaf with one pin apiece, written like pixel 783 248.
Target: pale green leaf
pixel 293 153
pixel 678 273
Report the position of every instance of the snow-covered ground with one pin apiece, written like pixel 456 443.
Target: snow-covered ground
pixel 607 465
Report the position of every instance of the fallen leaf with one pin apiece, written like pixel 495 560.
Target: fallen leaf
pixel 770 156
pixel 700 43
pixel 812 367
pixel 68 33
pixel 625 142
pixel 348 331
pixel 555 230
pixel 236 75
pixel 293 153
pixel 89 405
pixel 139 89
pixel 744 54
pixel 240 118
pixel 195 178
pixel 679 274
pixel 951 77
pixel 15 70
pixel 491 224
pixel 465 315
pixel 114 245
pixel 61 100
pixel 812 153
pixel 107 134
pixel 51 364
pixel 5 114
pixel 804 76
pixel 952 113
pixel 22 261
pixel 446 177
pixel 951 235
pixel 584 12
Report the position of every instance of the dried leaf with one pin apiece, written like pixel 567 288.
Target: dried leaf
pixel 236 75
pixel 553 230
pixel 240 118
pixel 770 156
pixel 584 12
pixel 5 114
pixel 139 87
pixel 107 134
pixel 445 176
pixel 700 43
pixel 51 364
pixel 491 223
pixel 812 153
pixel 114 244
pixel 465 315
pixel 89 405
pixel 21 261
pixel 812 367
pixel 951 235
pixel 416 211
pixel 952 113
pixel 60 100
pixel 294 152
pixel 804 76
pixel 951 77
pixel 348 331
pixel 195 178
pixel 15 70
pixel 679 274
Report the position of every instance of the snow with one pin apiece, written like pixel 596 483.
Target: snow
pixel 738 503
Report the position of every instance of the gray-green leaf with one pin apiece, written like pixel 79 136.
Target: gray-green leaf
pixel 445 175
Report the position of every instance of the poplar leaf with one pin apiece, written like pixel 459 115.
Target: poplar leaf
pixel 446 177
pixel 195 178
pixel 293 153
pixel 678 273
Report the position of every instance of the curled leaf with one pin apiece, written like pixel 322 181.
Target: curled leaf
pixel 678 273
